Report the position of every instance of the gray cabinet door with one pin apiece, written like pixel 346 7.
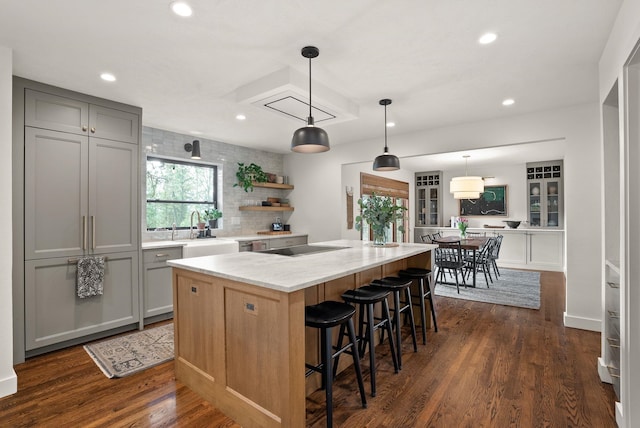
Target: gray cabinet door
pixel 113 194
pixel 113 124
pixel 47 111
pixel 53 311
pixel 158 287
pixel 56 193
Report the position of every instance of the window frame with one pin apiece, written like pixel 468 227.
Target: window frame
pixel 217 187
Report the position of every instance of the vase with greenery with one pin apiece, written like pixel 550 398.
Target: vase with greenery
pixel 212 215
pixel 379 212
pixel 248 174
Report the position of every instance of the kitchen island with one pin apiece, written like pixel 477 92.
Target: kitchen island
pixel 240 338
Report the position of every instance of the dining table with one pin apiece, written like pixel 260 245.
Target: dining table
pixel 472 244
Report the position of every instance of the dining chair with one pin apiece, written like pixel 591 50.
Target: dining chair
pixel 482 262
pixel 449 258
pixel 495 255
pixel 426 239
pixel 436 236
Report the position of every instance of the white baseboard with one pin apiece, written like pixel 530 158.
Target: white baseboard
pixel 582 323
pixel 604 374
pixel 619 414
pixel 9 385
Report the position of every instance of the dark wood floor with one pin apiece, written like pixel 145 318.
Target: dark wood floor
pixel 488 366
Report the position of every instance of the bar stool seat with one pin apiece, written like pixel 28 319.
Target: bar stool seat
pixel 325 316
pixel 397 286
pixel 425 282
pixel 367 297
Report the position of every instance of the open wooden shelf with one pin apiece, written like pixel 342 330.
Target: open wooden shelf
pixel 273 185
pixel 250 208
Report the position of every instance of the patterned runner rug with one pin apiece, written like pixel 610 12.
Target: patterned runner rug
pixel 513 288
pixel 125 355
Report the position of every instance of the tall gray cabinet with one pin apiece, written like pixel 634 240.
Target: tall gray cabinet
pixel 79 193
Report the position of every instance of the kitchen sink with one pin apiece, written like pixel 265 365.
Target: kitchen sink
pixel 301 250
pixel 208 247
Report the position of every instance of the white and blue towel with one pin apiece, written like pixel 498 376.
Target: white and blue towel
pixel 90 276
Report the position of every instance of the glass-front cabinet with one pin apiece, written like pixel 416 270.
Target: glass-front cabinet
pixel 429 198
pixel 545 200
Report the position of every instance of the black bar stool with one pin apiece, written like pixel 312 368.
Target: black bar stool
pixel 366 297
pixel 325 316
pixel 425 282
pixel 396 286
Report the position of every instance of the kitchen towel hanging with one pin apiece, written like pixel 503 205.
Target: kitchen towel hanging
pixel 90 276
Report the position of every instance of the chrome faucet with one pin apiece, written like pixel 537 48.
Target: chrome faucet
pixel 191 234
pixel 173 231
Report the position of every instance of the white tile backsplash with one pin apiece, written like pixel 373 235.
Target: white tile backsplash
pixel 166 143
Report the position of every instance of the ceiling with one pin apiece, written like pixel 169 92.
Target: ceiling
pixel 191 74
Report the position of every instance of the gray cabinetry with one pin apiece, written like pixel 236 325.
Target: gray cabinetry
pixel 428 198
pixel 287 241
pixel 545 198
pixel 53 311
pixel 77 196
pixel 60 113
pixel 158 289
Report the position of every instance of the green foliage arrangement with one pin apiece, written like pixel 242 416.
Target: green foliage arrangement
pixel 378 212
pixel 248 174
pixel 212 214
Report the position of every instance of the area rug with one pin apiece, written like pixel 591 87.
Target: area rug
pixel 125 355
pixel 513 288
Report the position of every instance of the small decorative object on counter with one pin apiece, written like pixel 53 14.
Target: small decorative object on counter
pixel 378 212
pixel 463 223
pixel 212 215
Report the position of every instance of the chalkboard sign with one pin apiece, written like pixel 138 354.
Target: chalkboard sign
pixel 493 201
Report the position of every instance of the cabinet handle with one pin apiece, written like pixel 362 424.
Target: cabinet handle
pixel 613 314
pixel 614 343
pixel 84 232
pixel 162 255
pixel 93 130
pixel 93 232
pixel 613 284
pixel 84 128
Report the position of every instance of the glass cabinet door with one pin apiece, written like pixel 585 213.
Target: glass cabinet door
pixel 553 203
pixel 535 188
pixel 433 206
pixel 422 207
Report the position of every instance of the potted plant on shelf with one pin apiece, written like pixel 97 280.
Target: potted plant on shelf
pixel 378 212
pixel 212 215
pixel 248 174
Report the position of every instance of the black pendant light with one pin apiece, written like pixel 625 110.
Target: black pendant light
pixel 386 162
pixel 310 139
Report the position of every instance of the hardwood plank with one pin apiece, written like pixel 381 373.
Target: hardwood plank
pixel 489 365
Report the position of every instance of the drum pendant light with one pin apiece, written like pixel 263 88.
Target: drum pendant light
pixel 310 139
pixel 466 187
pixel 386 161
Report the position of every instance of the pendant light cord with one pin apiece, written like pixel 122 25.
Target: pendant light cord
pixel 309 87
pixel 386 149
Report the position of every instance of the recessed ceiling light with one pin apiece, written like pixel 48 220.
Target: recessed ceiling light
pixel 508 102
pixel 181 8
pixel 391 124
pixel 108 77
pixel 241 117
pixel 487 38
pixel 195 132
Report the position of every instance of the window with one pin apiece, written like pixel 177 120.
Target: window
pixel 398 191
pixel 176 188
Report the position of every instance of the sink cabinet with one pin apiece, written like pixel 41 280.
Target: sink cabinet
pixel 157 280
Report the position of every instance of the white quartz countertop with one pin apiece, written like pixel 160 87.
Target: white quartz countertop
pixel 290 274
pixel 211 241
pixel 495 229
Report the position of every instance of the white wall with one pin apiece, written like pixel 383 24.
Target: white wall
pixel 319 193
pixel 8 379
